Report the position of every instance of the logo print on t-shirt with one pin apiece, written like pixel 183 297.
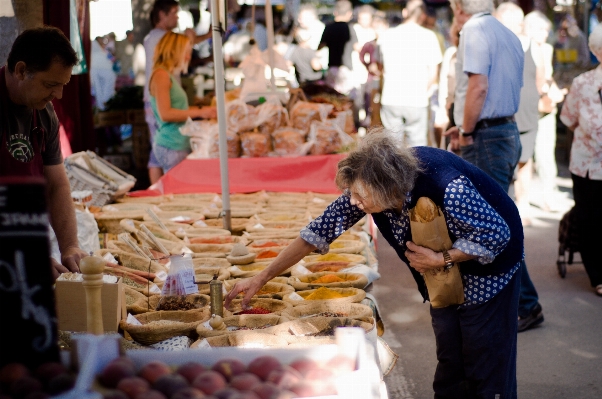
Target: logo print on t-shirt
pixel 20 147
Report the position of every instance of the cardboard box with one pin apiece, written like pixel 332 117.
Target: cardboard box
pixel 71 305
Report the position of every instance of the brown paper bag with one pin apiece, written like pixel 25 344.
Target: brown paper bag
pixel 444 286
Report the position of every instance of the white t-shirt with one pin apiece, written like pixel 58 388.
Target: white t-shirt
pixel 364 35
pixel 408 50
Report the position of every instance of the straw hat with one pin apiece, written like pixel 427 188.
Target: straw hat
pixel 240 255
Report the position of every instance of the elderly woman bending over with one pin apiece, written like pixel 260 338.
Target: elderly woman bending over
pixel 476 341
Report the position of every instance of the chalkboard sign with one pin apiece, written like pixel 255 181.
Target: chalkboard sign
pixel 28 332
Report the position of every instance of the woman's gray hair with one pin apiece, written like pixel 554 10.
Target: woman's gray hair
pixel 472 7
pixel 387 169
pixel 536 19
pixel 595 39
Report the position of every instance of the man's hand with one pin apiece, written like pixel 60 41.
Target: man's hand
pixel 457 141
pixel 57 268
pixel 423 259
pixel 249 286
pixel 71 257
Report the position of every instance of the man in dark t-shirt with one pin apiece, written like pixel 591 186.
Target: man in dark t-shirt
pixel 39 65
pixel 339 37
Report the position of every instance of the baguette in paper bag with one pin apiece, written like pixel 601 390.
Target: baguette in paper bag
pixel 429 230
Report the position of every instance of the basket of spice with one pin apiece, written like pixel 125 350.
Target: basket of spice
pixel 162 325
pixel 201 248
pixel 316 267
pixel 350 310
pixel 132 226
pixel 213 239
pixel 160 302
pixel 346 247
pixel 109 222
pixel 210 262
pixel 238 224
pixel 203 275
pixel 204 233
pixel 244 271
pixel 184 217
pixel 324 294
pixel 132 300
pixel 242 339
pixel 245 322
pixel 336 258
pixel 328 279
pixel 270 289
pixel 274 227
pixel 317 327
pixel 272 234
pixel 259 306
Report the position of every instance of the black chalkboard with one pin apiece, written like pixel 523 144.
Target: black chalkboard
pixel 28 332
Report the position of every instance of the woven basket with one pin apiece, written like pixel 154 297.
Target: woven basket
pixel 156 200
pixel 256 227
pixel 317 326
pixel 182 207
pixel 109 222
pixel 252 269
pixel 353 295
pixel 194 197
pixel 346 247
pixel 210 262
pixel 127 207
pixel 355 259
pixel 252 322
pixel 306 282
pixel 149 304
pixel 258 245
pixel 133 261
pixel 132 297
pixel 270 290
pixel 316 267
pixel 271 235
pixel 274 305
pixel 220 248
pixel 182 323
pixel 215 239
pixel 344 309
pixel 280 217
pixel 190 217
pixel 116 245
pixel 152 227
pixel 201 276
pixel 244 339
pixel 203 232
pixel 172 227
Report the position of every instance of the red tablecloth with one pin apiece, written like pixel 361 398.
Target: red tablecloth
pixel 297 174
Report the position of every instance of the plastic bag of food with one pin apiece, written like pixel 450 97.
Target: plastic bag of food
pixel 303 113
pixel 255 144
pixel 204 134
pixel 327 138
pixel 271 115
pixel 289 141
pixel 233 142
pixel 241 116
pixel 180 279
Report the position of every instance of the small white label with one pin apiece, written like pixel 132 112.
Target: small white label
pixel 258 226
pixel 109 279
pixel 110 208
pixel 154 289
pixel 301 269
pixel 199 223
pixel 110 258
pixel 132 320
pixel 235 269
pixel 317 200
pixel 224 289
pixel 207 325
pixel 161 276
pixel 187 277
pixel 204 344
pixel 186 250
pixel 295 297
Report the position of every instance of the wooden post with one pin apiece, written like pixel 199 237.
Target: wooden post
pixel 92 268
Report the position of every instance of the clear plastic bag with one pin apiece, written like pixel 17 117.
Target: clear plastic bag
pixel 271 115
pixel 327 138
pixel 180 279
pixel 304 113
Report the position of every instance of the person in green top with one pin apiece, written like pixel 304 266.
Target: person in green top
pixel 169 101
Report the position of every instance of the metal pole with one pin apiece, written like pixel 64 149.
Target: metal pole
pixel 218 64
pixel 269 20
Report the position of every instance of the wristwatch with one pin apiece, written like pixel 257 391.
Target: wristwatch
pixel 448 260
pixel 463 133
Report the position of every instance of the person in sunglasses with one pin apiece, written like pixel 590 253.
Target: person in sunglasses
pixel 38 67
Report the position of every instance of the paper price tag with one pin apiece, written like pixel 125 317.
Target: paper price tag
pixel 132 320
pixel 187 277
pixel 204 344
pixel 235 269
pixel 296 297
pixel 110 258
pixel 110 208
pixel 224 289
pixel 161 276
pixel 258 226
pixel 154 289
pixel 207 325
pixel 301 269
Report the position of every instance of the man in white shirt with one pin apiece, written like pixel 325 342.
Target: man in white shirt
pixel 410 55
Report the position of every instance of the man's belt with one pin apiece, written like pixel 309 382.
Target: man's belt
pixel 485 123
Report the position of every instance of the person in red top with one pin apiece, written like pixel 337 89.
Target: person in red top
pixel 38 67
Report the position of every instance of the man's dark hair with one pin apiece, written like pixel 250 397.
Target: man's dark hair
pixel 38 48
pixel 163 6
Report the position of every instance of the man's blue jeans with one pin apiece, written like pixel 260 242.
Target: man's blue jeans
pixel 496 151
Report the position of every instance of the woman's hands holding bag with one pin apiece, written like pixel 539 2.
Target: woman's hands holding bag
pixel 423 259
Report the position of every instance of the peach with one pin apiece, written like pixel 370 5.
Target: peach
pixel 61 383
pixel 303 389
pixel 25 386
pixel 190 370
pixel 284 377
pixel 12 372
pixel 114 394
pixel 188 393
pixel 115 371
pixel 226 393
pixel 229 367
pixel 305 365
pixel 170 384
pixel 133 386
pixel 153 370
pixel 267 390
pixel 244 395
pixel 263 366
pixel 151 394
pixel 244 381
pixel 209 381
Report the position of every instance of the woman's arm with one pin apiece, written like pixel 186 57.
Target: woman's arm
pixel 160 86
